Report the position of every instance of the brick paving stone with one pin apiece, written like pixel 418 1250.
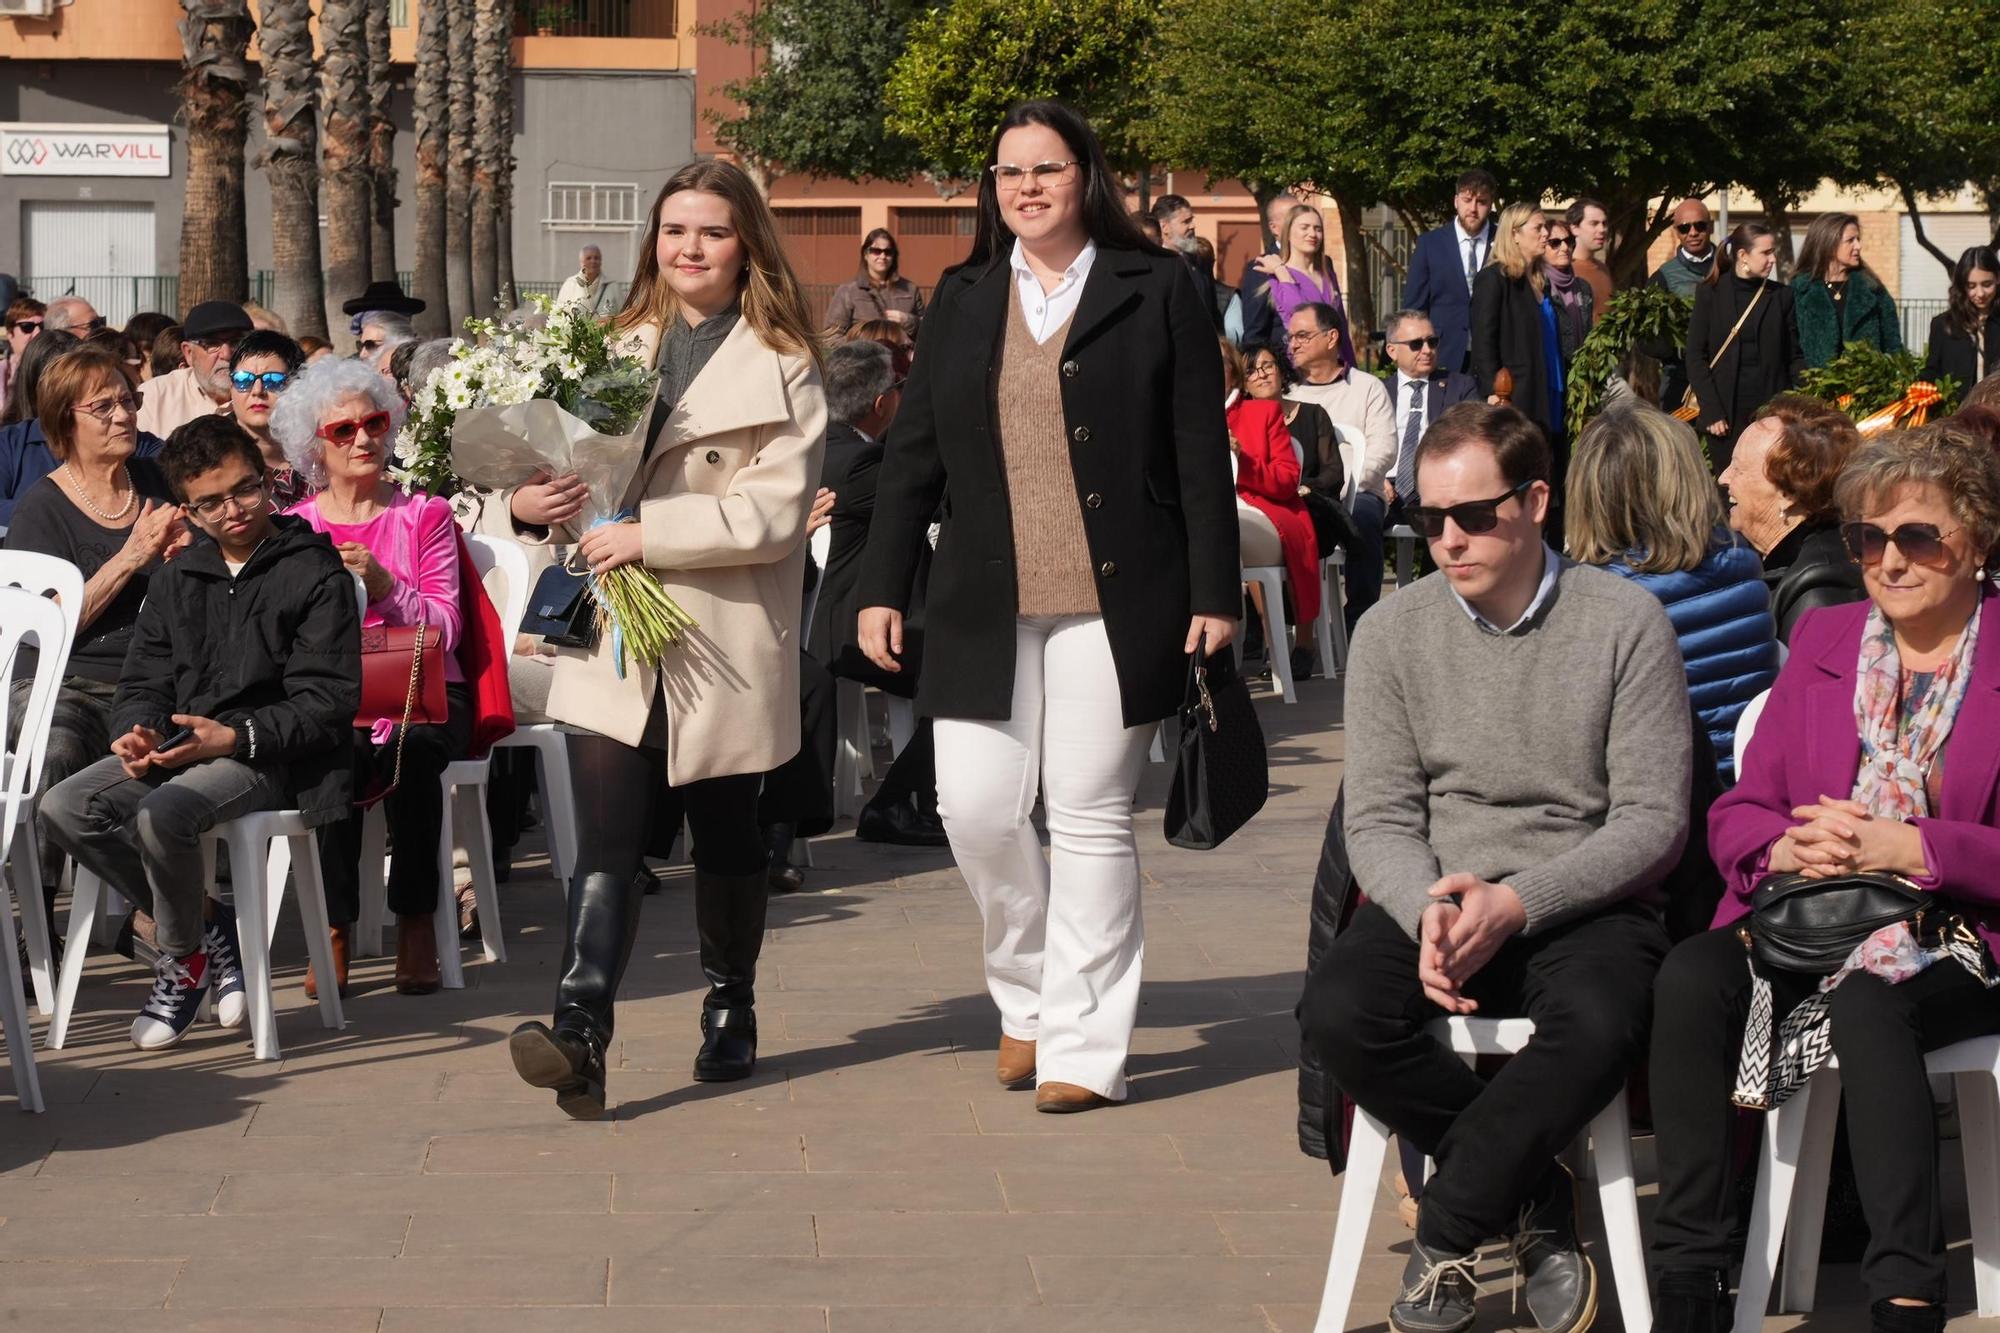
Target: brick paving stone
pixel 396 1177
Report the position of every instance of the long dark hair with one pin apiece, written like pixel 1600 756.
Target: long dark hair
pixel 1741 238
pixel 1816 250
pixel 1104 217
pixel 1964 320
pixel 43 348
pixel 895 260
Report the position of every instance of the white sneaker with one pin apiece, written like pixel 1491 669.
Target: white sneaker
pixel 178 985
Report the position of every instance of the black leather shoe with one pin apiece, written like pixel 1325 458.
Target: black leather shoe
pixel 569 1060
pixel 1560 1283
pixel 728 1045
pixel 1302 664
pixel 900 823
pixel 1692 1300
pixel 784 876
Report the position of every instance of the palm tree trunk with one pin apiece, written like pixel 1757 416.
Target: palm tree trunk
pixel 491 19
pixel 215 76
pixel 458 165
pixel 503 204
pixel 343 35
pixel 291 162
pixel 381 148
pixel 433 114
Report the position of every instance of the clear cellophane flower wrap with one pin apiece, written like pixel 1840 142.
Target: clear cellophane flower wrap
pixel 1911 410
pixel 506 446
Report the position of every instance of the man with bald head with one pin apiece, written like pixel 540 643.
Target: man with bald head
pixel 587 287
pixel 1694 257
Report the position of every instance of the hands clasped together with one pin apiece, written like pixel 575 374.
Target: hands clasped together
pixel 1842 838
pixel 1460 932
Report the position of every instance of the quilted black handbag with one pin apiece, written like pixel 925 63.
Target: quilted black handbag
pixel 562 609
pixel 1813 925
pixel 1221 777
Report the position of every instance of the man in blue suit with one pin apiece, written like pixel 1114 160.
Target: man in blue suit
pixel 1443 263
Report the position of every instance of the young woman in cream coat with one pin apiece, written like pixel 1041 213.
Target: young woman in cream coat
pixel 732 459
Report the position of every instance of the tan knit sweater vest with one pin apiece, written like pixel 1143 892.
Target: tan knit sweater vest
pixel 1052 574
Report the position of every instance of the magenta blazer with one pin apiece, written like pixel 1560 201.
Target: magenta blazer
pixel 1807 745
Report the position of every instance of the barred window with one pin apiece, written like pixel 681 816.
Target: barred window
pixel 936 221
pixel 592 206
pixel 819 221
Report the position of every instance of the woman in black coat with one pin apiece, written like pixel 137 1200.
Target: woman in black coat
pixel 1733 377
pixel 1965 339
pixel 1513 325
pixel 1064 411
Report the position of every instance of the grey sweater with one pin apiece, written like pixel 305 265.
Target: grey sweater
pixel 1555 759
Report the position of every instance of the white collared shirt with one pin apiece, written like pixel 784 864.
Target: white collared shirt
pixel 1473 248
pixel 1551 566
pixel 1408 403
pixel 1046 312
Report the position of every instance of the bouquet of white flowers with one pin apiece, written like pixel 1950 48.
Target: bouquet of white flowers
pixel 554 396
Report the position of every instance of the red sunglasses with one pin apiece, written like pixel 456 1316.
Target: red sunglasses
pixel 342 433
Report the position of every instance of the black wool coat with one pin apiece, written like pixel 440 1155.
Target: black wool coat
pixel 1142 404
pixel 274 653
pixel 1952 353
pixel 1507 331
pixel 1773 326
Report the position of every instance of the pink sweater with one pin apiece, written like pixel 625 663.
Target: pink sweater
pixel 416 540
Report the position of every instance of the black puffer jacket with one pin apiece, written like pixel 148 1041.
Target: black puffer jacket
pixel 1321 1107
pixel 274 652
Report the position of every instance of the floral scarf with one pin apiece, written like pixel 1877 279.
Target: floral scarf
pixel 1778 1058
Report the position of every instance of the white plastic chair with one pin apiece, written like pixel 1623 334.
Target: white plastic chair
pixel 854 749
pixel 262 846
pixel 1271 579
pixel 1797 1156
pixel 42 575
pixel 1746 724
pixel 1406 540
pixel 24 615
pixel 1332 628
pixel 1610 1136
pixel 464 783
pixel 550 745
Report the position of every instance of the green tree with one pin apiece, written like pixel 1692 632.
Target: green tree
pixel 815 106
pixel 966 63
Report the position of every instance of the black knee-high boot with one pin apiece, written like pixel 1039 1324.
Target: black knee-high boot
pixel 729 918
pixel 603 923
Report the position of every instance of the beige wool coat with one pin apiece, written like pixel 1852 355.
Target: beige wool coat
pixel 722 505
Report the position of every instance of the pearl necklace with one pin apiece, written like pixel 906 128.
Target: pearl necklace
pixel 76 482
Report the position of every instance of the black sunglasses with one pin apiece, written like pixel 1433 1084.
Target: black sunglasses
pixel 29 326
pixel 1920 543
pixel 878 250
pixel 1414 343
pixel 1472 517
pixel 1685 227
pixel 1565 242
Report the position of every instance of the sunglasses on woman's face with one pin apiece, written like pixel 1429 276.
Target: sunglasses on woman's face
pixel 1920 543
pixel 1473 517
pixel 272 380
pixel 1562 242
pixel 878 250
pixel 342 433
pixel 31 327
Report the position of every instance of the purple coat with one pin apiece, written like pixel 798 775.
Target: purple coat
pixel 1807 745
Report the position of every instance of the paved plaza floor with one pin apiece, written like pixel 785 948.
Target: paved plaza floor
pixel 871 1178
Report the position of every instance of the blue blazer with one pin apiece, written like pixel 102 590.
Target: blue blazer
pixel 1721 613
pixel 25 459
pixel 1437 286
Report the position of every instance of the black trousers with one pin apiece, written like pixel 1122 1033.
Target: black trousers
pixel 1587 984
pixel 914 774
pixel 1880 1034
pixel 415 812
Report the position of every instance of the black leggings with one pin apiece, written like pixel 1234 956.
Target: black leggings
pixel 415 813
pixel 1880 1033
pixel 623 801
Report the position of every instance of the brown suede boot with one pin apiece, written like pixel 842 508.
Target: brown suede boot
pixel 339 937
pixel 417 954
pixel 1016 1066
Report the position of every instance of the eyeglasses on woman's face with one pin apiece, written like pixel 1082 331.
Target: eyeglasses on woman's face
pixel 1920 543
pixel 1562 242
pixel 103 409
pixel 273 381
pixel 881 252
pixel 1009 177
pixel 250 496
pixel 1262 368
pixel 342 433
pixel 31 327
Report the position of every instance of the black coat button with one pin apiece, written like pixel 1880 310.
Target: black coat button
pixel 1108 568
pixel 1081 435
pixel 1093 500
pixel 714 457
pixel 1069 369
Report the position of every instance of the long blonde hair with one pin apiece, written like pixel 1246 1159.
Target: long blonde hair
pixel 1640 490
pixel 773 302
pixel 1507 252
pixel 1322 266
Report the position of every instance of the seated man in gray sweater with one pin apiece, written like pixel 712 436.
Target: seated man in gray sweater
pixel 1517 779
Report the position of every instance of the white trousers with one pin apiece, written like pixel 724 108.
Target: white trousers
pixel 1064 937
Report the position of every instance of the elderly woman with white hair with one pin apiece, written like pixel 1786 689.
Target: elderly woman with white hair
pixel 337 424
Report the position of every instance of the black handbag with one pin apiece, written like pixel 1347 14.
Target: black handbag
pixel 1221 775
pixel 1812 926
pixel 562 610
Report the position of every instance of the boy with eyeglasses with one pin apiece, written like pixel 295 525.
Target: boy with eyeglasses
pixel 1519 752
pixel 238 694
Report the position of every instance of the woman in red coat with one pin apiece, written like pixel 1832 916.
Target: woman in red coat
pixel 1267 479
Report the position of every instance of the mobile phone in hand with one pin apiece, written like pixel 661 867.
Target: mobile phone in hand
pixel 175 741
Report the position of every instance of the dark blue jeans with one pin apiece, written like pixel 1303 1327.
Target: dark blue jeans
pixel 1364 559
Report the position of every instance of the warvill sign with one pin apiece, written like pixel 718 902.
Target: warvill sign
pixel 84 150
